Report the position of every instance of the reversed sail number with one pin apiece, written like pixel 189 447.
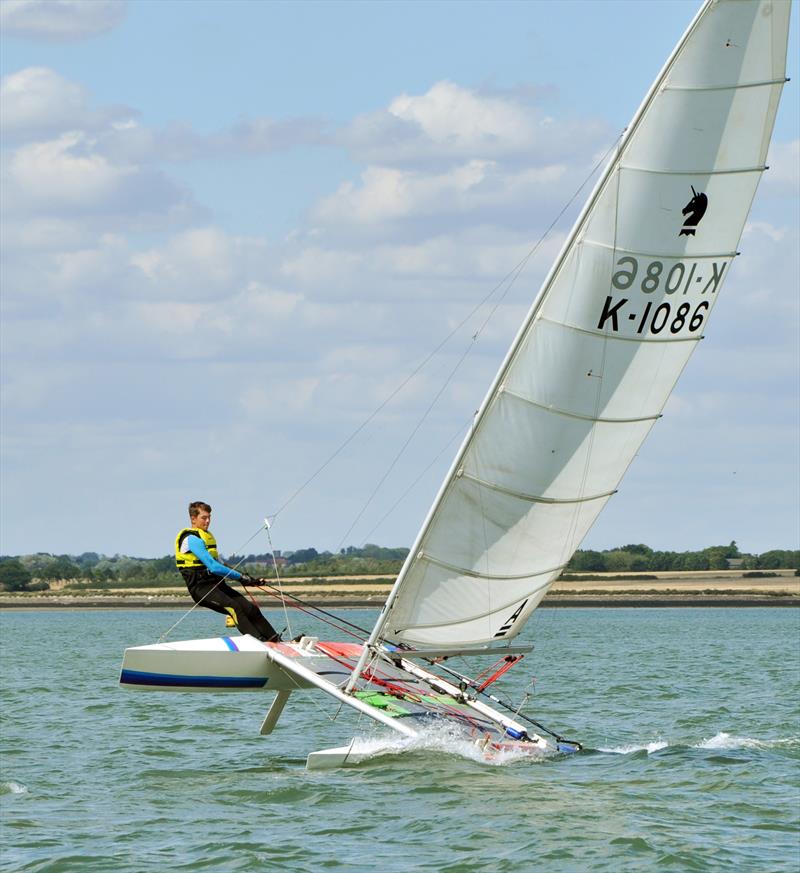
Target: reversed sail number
pixel 673 316
pixel 673 281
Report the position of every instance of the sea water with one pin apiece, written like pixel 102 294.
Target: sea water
pixel 690 719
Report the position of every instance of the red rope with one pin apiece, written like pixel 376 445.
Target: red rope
pixel 506 664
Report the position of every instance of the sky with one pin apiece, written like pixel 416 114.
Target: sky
pixel 232 230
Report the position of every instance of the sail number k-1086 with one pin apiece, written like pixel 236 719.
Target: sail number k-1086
pixel 696 279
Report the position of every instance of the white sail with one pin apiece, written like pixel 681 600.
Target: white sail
pixel 608 336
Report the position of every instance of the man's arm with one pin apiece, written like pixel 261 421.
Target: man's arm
pixel 198 548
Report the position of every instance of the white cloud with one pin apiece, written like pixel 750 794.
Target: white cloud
pixel 461 121
pixel 266 304
pixel 179 142
pixel 183 320
pixel 45 234
pixel 67 177
pixel 265 402
pixel 453 187
pixel 783 175
pixel 411 204
pixel 315 265
pixel 37 103
pixel 763 278
pixel 66 277
pixel 387 193
pixel 60 20
pixel 200 264
pixel 450 124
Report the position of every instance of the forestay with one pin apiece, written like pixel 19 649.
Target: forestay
pixel 616 320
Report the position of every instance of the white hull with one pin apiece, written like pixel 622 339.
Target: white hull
pixel 235 663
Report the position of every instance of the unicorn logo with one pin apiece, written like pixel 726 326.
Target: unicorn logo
pixel 695 209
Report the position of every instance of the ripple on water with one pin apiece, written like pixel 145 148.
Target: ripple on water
pixel 114 780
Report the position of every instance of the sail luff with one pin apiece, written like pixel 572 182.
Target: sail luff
pixel 522 332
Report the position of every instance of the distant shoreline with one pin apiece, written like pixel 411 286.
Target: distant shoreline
pixel 552 601
pixel 662 589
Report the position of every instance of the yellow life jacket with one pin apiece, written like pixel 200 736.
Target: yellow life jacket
pixel 186 560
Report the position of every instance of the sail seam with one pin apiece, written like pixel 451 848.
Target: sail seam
pixel 682 256
pixel 566 414
pixel 627 339
pixel 533 498
pixel 765 83
pixel 732 172
pixel 476 575
pixel 496 609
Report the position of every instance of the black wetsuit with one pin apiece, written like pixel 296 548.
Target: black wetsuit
pixel 210 591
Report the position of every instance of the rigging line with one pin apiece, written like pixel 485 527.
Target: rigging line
pixel 278 578
pixel 311 610
pixel 509 280
pixel 403 690
pixel 413 485
pixel 511 276
pixel 410 437
pixel 385 402
pixel 502 703
pixel 311 607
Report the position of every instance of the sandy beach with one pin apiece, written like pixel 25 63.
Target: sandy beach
pixel 709 588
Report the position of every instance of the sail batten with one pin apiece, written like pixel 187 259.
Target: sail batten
pixel 606 338
pixel 485 574
pixel 703 171
pixel 731 87
pixel 534 498
pixel 596 418
pixel 624 339
pixel 502 607
pixel 696 256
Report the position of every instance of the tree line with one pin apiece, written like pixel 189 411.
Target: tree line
pixel 639 558
pixel 38 571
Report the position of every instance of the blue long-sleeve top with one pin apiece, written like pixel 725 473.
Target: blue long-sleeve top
pixel 198 548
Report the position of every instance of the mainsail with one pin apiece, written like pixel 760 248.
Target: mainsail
pixel 606 339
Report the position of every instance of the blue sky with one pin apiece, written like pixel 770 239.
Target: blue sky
pixel 220 256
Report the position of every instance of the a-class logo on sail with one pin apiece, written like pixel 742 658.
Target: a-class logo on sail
pixel 507 626
pixel 695 209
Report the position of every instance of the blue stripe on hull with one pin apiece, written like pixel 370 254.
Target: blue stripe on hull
pixel 139 677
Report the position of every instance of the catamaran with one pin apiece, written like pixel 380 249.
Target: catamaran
pixel 621 310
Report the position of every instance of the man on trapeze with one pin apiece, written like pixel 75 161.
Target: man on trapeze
pixel 198 562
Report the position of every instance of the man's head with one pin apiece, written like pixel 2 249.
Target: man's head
pixel 200 514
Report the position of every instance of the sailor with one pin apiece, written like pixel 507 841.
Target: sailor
pixel 197 559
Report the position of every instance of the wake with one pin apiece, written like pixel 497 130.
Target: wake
pixel 440 741
pixel 720 741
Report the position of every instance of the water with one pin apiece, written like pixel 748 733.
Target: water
pixel 691 718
